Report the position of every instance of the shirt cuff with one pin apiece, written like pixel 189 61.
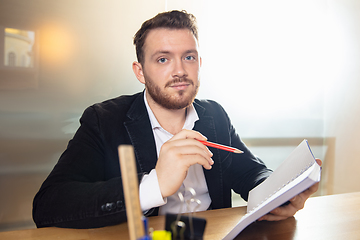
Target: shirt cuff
pixel 149 192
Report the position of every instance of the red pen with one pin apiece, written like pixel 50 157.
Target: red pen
pixel 219 146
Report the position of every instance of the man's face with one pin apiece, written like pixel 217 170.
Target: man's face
pixel 171 67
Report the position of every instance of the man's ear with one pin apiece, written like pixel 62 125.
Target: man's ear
pixel 138 70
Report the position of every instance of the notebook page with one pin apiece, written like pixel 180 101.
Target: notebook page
pixel 295 164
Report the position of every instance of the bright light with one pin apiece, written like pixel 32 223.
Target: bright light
pixel 266 60
pixel 57 43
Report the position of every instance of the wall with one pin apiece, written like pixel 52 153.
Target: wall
pixel 342 100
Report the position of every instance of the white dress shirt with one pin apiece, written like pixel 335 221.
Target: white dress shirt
pixel 149 190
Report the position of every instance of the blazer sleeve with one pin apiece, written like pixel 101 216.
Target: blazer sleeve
pixel 247 170
pixel 80 192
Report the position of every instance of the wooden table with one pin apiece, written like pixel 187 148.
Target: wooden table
pixel 326 217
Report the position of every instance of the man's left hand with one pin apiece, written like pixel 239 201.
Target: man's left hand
pixel 296 203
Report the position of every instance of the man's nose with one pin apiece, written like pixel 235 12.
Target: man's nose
pixel 179 69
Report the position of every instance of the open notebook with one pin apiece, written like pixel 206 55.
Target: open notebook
pixel 297 173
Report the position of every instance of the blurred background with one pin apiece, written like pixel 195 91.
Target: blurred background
pixel 292 66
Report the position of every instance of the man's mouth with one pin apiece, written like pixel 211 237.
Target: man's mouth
pixel 179 84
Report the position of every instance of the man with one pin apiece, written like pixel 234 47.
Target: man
pixel 163 123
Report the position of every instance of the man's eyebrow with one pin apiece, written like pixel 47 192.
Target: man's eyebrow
pixel 168 52
pixel 192 51
pixel 159 53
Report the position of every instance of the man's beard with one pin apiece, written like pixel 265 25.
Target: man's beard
pixel 176 101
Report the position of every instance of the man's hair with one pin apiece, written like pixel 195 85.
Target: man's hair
pixel 170 20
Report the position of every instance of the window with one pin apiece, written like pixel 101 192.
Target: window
pixel 18 43
pixel 11 61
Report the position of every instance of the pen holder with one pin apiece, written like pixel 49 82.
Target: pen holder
pixel 185 227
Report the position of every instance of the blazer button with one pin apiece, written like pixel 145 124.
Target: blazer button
pixel 103 207
pixel 111 206
pixel 119 204
pixel 108 207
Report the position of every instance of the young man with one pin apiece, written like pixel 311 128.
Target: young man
pixel 84 190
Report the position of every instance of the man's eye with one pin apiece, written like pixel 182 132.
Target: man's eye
pixel 162 60
pixel 189 58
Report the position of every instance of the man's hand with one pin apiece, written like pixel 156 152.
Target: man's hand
pixel 296 203
pixel 175 158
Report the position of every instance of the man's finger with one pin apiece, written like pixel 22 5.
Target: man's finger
pixel 272 217
pixel 297 202
pixel 318 161
pixel 185 134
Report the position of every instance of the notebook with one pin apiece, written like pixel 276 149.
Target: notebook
pixel 297 173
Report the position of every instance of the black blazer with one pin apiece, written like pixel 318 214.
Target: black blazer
pixel 84 190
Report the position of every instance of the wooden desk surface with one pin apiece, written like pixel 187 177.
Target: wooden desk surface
pixel 326 217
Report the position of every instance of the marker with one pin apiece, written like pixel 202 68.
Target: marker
pixel 219 146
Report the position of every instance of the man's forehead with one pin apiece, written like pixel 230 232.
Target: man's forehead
pixel 169 31
pixel 164 40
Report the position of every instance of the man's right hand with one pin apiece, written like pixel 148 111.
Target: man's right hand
pixel 175 158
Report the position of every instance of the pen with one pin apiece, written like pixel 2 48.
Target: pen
pixel 219 146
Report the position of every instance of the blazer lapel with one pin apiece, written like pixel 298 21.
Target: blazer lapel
pixel 206 126
pixel 141 135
